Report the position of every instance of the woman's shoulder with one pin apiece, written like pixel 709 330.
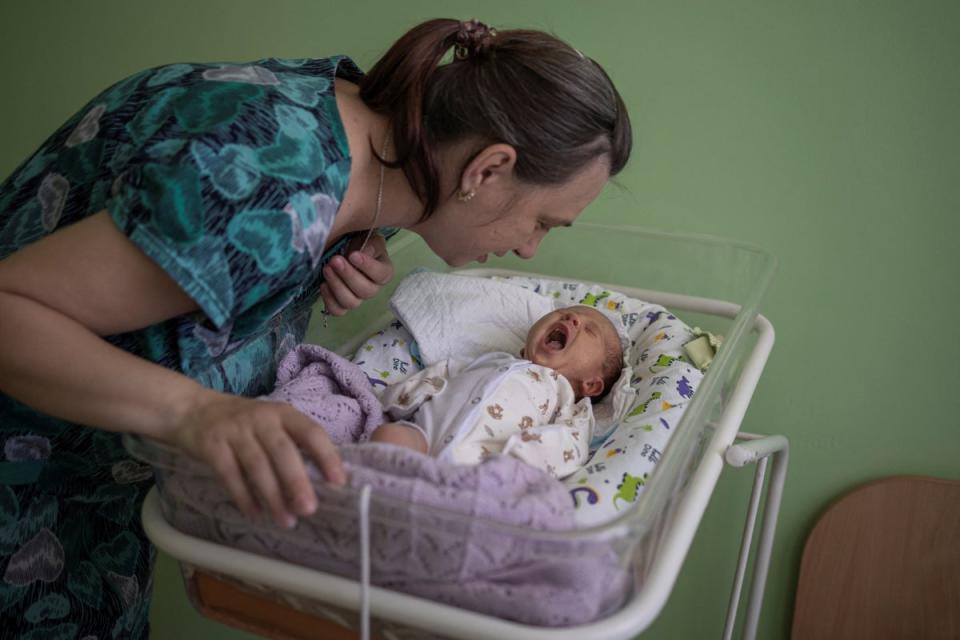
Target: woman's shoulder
pixel 253 132
pixel 259 103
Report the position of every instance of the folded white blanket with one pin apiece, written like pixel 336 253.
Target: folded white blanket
pixel 465 316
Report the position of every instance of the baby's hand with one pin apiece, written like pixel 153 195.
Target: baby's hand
pixel 401 435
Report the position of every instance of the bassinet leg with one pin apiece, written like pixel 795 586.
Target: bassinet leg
pixel 745 543
pixel 756 448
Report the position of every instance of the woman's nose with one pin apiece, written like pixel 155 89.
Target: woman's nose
pixel 529 249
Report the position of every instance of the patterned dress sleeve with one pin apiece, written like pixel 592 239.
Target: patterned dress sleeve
pixel 230 179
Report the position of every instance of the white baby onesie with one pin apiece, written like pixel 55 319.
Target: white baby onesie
pixel 495 404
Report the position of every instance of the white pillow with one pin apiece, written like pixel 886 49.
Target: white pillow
pixel 388 356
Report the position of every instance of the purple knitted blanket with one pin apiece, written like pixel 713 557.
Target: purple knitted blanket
pixel 454 545
pixel 331 390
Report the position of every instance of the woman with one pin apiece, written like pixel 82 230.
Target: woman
pixel 162 250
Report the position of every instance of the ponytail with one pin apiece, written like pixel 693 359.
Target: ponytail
pixel 556 107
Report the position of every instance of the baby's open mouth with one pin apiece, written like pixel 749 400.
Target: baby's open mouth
pixel 556 338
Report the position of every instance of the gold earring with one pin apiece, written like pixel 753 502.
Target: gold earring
pixel 465 196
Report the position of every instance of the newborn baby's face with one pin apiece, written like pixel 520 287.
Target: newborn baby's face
pixel 573 341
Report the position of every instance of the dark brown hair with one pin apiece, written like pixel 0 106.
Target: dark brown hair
pixel 611 368
pixel 555 106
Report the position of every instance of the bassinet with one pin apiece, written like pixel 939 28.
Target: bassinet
pixel 712 283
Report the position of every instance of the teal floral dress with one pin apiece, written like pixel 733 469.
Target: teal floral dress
pixel 229 177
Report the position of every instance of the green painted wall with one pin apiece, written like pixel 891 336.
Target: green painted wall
pixel 826 132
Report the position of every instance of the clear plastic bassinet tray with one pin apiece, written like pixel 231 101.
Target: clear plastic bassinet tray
pixel 609 581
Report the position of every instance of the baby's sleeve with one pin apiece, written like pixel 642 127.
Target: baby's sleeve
pixel 560 447
pixel 401 400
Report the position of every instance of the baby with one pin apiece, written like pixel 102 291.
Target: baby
pixel 536 408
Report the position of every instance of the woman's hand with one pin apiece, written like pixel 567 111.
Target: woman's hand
pixel 348 282
pixel 252 446
pixel 51 311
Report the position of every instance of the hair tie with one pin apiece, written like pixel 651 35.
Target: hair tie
pixel 473 37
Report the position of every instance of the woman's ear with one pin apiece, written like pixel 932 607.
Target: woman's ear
pixel 493 163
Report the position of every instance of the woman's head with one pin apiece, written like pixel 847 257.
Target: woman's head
pixel 514 117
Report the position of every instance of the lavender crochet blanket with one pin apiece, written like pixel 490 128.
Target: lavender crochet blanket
pixel 331 390
pixel 451 546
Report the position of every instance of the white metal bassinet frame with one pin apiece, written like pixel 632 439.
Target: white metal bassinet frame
pixel 400 615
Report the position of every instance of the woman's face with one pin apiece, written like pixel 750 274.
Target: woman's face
pixel 506 215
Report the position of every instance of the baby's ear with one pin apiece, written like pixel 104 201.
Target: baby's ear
pixel 591 387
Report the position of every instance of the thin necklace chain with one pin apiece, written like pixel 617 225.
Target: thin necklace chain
pixel 376 214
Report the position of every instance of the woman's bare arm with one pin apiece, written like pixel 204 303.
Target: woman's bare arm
pixel 60 294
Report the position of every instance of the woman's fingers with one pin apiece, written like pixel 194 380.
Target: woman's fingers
pixel 288 466
pixel 317 445
pixel 329 302
pixel 348 281
pixel 360 273
pixel 374 261
pixel 252 446
pixel 260 475
pixel 226 467
pixel 336 276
